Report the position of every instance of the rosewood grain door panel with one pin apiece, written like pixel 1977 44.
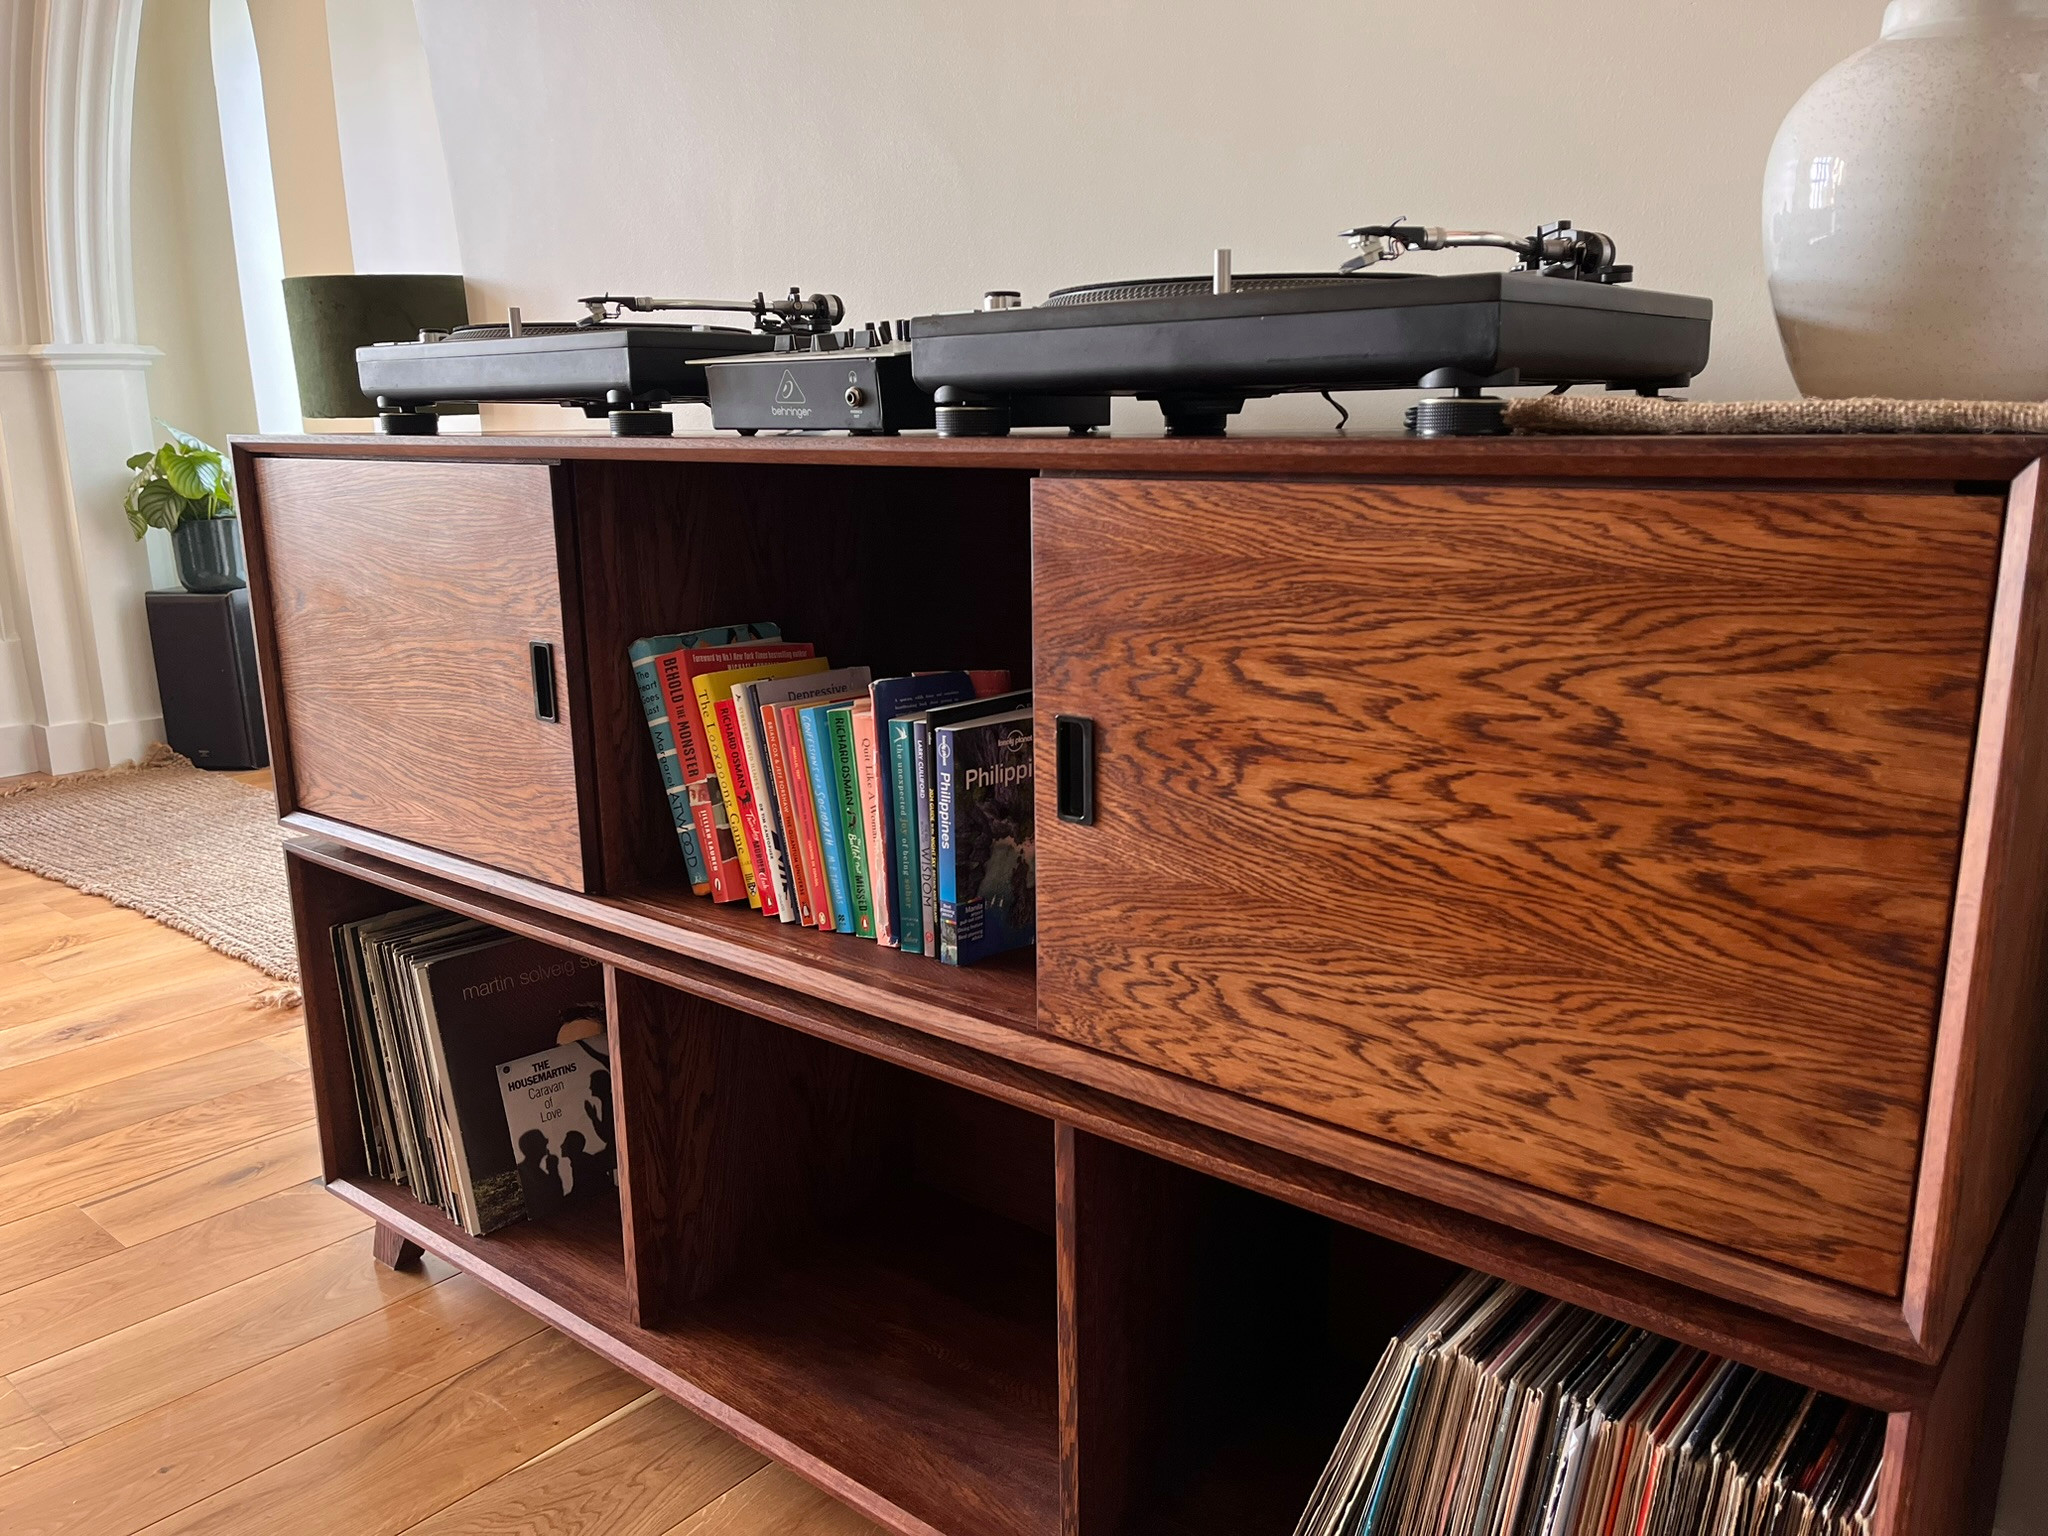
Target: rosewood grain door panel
pixel 408 599
pixel 1601 839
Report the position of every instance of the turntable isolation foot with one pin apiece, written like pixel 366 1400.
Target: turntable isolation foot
pixel 956 413
pixel 1459 415
pixel 629 420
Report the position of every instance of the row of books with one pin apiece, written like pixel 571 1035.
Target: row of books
pixel 897 809
pixel 1503 1413
pixel 481 1074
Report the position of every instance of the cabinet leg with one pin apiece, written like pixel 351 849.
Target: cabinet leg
pixel 394 1250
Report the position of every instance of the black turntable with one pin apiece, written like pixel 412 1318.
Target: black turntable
pixel 609 366
pixel 1201 347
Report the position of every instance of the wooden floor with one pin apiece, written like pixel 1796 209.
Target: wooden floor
pixel 193 1335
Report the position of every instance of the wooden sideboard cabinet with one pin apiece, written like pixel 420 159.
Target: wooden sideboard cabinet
pixel 1614 864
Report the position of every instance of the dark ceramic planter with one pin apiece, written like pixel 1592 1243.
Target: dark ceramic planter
pixel 209 554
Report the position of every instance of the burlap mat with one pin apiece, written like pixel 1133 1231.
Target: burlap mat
pixel 1633 413
pixel 199 852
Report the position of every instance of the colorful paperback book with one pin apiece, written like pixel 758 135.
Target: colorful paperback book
pixel 721 853
pixel 852 827
pixel 893 696
pixel 818 764
pixel 803 810
pixel 988 895
pixel 903 820
pixel 778 896
pixel 749 699
pixel 873 824
pixel 714 689
pixel 782 799
pixel 645 656
pixel 677 672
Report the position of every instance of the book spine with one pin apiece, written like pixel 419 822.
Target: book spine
pixel 945 801
pixel 782 798
pixel 758 796
pixel 852 837
pixel 647 680
pixel 874 826
pixel 927 849
pixel 679 704
pixel 707 812
pixel 825 800
pixel 721 773
pixel 804 808
pixel 678 671
pixel 740 798
pixel 903 840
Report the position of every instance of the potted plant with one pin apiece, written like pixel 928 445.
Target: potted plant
pixel 184 488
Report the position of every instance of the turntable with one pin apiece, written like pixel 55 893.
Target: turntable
pixel 605 364
pixel 1201 347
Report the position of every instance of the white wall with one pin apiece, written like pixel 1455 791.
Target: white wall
pixel 913 153
pixel 401 213
pixel 298 102
pixel 187 304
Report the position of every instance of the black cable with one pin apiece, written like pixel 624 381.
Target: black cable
pixel 1342 414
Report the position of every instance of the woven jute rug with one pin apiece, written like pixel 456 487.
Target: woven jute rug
pixel 1634 414
pixel 199 852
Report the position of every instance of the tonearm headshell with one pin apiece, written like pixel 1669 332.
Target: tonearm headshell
pixel 1555 250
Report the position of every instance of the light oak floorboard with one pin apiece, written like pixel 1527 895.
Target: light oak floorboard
pixel 420 1455
pixel 179 1291
pixel 212 1185
pixel 637 1474
pixel 112 1379
pixel 94 1300
pixel 54 1123
pixel 43 1017
pixel 105 1061
pixel 39 1246
pixel 38 930
pixel 85 1170
pixel 159 1462
pixel 775 1502
pixel 23 1436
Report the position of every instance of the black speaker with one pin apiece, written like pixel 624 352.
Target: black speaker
pixel 205 647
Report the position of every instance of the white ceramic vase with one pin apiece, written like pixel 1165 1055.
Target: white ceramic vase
pixel 1906 210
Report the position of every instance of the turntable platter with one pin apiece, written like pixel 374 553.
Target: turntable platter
pixel 1189 287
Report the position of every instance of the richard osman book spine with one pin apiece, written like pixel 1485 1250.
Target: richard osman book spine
pixel 852 826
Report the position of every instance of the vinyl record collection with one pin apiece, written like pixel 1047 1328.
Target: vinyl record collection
pixel 1503 1413
pixel 482 1079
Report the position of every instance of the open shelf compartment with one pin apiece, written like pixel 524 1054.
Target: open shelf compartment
pixel 896 569
pixel 854 1256
pixel 582 1243
pixel 1215 1339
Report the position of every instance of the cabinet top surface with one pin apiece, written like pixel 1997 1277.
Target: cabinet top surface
pixel 1878 457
